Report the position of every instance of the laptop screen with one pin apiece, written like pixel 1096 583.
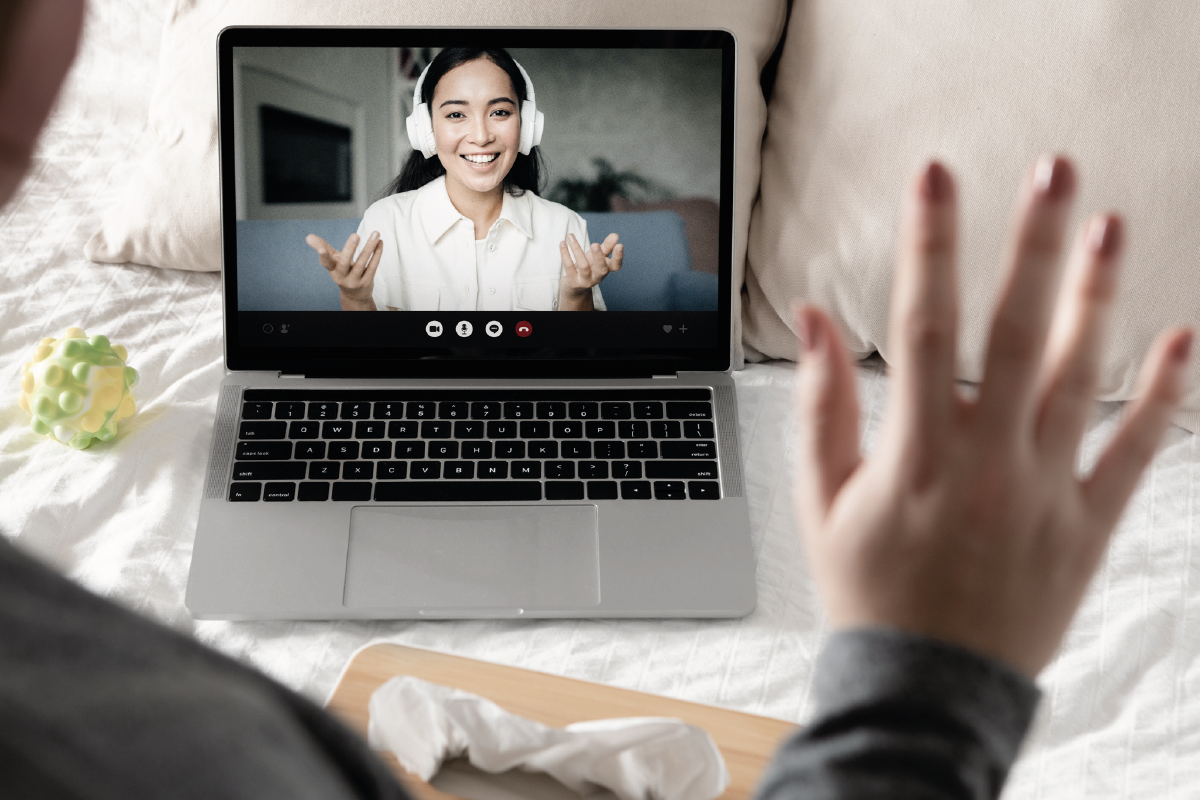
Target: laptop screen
pixel 477 202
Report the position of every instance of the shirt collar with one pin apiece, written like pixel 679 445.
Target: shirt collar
pixel 440 215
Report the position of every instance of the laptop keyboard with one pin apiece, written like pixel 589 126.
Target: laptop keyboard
pixel 460 446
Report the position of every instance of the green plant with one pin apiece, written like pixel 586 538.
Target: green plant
pixel 581 194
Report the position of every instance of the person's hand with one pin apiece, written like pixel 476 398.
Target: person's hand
pixel 355 278
pixel 583 269
pixel 969 523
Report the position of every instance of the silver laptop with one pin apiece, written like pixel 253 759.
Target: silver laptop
pixel 538 420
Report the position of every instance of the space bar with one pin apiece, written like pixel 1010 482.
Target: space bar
pixel 456 492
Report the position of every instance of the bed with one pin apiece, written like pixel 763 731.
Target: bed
pixel 1121 712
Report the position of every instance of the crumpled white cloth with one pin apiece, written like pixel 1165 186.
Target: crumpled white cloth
pixel 636 758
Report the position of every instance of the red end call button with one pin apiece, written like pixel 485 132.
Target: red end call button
pixel 524 328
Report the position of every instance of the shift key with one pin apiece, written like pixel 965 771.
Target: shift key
pixel 268 470
pixel 687 449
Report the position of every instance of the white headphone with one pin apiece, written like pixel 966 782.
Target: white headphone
pixel 420 123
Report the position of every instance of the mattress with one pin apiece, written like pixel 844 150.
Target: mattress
pixel 1121 713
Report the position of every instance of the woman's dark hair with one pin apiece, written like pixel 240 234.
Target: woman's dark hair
pixel 526 172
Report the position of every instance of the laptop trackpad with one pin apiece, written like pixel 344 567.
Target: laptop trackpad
pixel 473 557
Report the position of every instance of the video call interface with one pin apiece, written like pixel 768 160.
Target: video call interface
pixel 506 199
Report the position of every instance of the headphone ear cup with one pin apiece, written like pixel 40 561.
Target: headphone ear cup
pixel 532 122
pixel 420 131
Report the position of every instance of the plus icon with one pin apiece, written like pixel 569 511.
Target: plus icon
pixel 683 328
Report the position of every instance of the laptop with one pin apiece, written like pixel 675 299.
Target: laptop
pixel 541 423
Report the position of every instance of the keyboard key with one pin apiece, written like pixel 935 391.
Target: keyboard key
pixel 301 429
pixel 476 450
pixel 402 430
pixel 389 410
pixel 337 430
pixel 627 469
pixel 421 410
pixel 551 410
pixel 245 492
pixel 601 430
pixel 614 411
pixel 518 410
pixel 689 449
pixel 357 491
pixel 291 410
pixel 635 490
pixel 535 430
pixel 568 429
pixel 543 449
pixel 313 492
pixel 268 470
pixel 510 449
pixel 669 490
pixel 564 490
pixel 410 450
pixel 377 450
pixel 593 470
pixel 460 470
pixel 443 449
pixel 704 490
pixel 471 429
pixel 264 451
pixel 425 470
pixel 610 449
pixel 324 470
pixel 664 430
pixel 322 410
pixel 369 430
pixel 602 490
pixel 454 409
pixel 699 430
pixel 391 470
pixel 358 471
pixel 633 430
pixel 310 450
pixel 584 411
pixel 458 492
pixel 279 492
pixel 356 410
pixel 256 410
pixel 681 469
pixel 560 470
pixel 576 449
pixel 262 430
pixel 496 470
pixel 643 449
pixel 689 411
pixel 649 410
pixel 525 470
pixel 435 430
pixel 486 410
pixel 502 430
pixel 343 451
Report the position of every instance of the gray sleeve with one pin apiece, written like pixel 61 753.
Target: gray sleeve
pixel 902 715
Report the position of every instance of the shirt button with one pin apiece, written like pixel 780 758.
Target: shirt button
pixel 492 247
pixel 491 290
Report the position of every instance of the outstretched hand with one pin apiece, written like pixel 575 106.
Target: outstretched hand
pixel 583 269
pixel 969 522
pixel 355 278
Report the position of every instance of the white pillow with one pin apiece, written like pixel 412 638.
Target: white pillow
pixel 867 91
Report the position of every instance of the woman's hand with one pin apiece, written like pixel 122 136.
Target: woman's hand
pixel 584 269
pixel 969 523
pixel 354 278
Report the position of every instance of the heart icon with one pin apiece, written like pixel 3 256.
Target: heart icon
pixel 667 328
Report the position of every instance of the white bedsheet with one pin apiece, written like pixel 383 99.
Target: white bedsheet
pixel 1121 716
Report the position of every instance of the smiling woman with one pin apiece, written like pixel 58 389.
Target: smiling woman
pixel 463 227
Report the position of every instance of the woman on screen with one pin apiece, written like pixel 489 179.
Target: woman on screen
pixel 463 227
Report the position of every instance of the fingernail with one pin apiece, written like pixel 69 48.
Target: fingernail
pixel 1104 235
pixel 935 183
pixel 810 334
pixel 1182 349
pixel 1050 177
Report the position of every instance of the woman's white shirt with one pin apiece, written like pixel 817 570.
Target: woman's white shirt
pixel 431 260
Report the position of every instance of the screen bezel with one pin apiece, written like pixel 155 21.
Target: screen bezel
pixel 417 361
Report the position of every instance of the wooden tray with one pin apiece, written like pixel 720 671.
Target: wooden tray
pixel 747 741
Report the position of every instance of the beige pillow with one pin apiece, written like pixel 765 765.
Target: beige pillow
pixel 867 91
pixel 169 214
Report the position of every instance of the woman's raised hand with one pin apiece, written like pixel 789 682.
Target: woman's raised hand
pixel 355 278
pixel 583 269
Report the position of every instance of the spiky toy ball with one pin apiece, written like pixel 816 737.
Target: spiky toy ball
pixel 77 388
